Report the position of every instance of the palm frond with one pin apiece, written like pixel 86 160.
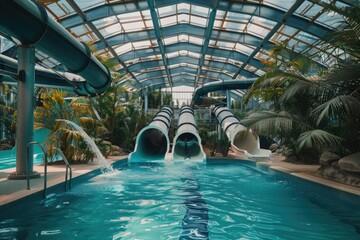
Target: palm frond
pixel 273 123
pixel 343 104
pixel 316 139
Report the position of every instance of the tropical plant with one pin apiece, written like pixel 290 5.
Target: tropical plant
pixel 57 106
pixel 313 109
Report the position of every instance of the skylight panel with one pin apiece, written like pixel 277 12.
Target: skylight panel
pixel 183 8
pixel 149 24
pixel 194 55
pixel 123 48
pixel 168 21
pixel 103 22
pixel 198 21
pixel 167 11
pixel 183 38
pixel 226 45
pixel 201 11
pixel 133 26
pixel 183 52
pixel 257 30
pixel 243 48
pixel 142 44
pixel 183 18
pixel 129 17
pixel 195 40
pixel 306 37
pixel 281 4
pixel 263 21
pixel 218 23
pixel 238 17
pixel 170 40
pixel 173 54
pixel 110 30
pixel 79 30
pixel 234 26
pixel 61 8
pixel 84 4
pixel 330 19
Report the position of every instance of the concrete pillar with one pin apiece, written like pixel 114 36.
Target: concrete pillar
pixel 146 101
pixel 228 99
pixel 25 113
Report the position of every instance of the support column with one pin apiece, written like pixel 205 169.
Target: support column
pixel 228 99
pixel 146 101
pixel 25 113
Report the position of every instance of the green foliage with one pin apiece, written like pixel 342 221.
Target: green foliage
pixel 56 106
pixel 314 110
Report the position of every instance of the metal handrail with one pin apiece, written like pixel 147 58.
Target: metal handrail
pixel 68 167
pixel 27 167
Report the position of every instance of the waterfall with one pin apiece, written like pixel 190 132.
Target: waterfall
pixel 90 142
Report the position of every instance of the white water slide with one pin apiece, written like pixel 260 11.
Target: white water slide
pixel 187 142
pixel 242 140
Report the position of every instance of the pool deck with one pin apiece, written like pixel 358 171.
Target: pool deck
pixel 11 190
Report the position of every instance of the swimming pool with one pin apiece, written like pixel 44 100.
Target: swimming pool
pixel 217 200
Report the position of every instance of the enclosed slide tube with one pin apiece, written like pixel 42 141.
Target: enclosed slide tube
pixel 27 21
pixel 187 142
pixel 241 138
pixel 152 142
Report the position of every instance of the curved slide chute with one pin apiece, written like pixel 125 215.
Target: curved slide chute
pixel 152 142
pixel 28 22
pixel 43 77
pixel 187 142
pixel 241 138
pixel 220 85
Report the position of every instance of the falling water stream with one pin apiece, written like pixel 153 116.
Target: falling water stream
pixel 91 144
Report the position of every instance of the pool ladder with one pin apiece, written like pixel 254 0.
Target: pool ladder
pixel 68 168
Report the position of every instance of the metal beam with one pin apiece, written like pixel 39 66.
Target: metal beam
pixel 242 7
pixel 207 36
pixel 159 39
pixel 82 15
pixel 181 28
pixel 289 13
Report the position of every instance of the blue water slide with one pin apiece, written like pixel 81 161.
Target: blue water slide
pixel 221 85
pixel 44 77
pixel 28 23
pixel 152 142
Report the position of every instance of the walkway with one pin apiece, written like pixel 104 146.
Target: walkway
pixel 11 190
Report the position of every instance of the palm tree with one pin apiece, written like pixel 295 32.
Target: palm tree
pixel 56 105
pixel 313 112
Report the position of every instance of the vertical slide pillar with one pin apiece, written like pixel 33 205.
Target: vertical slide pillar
pixel 25 113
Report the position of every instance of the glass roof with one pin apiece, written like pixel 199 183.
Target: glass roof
pixel 169 43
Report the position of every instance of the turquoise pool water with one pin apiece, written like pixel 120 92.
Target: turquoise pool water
pixel 188 201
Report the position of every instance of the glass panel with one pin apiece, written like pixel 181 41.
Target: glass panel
pixel 167 11
pixel 201 11
pixel 83 4
pixel 112 29
pixel 168 21
pixel 183 18
pixel 105 22
pixel 183 8
pixel 195 40
pixel 170 40
pixel 133 26
pixel 198 21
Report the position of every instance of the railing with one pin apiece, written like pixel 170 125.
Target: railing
pixel 67 173
pixel 27 167
pixel 68 169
